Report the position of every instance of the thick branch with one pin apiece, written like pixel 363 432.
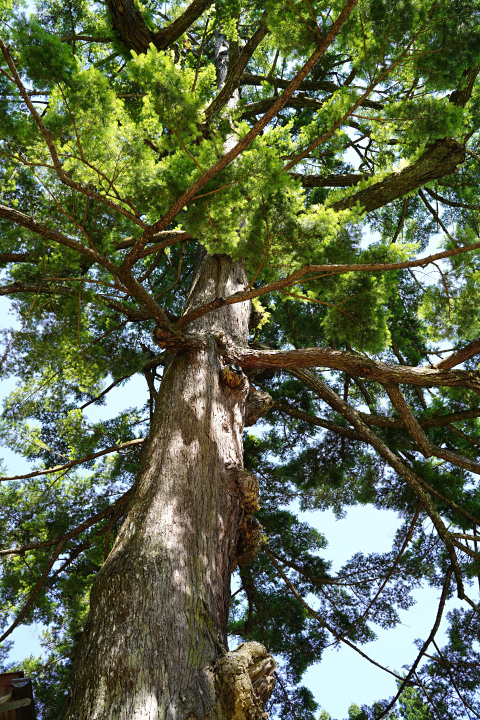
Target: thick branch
pixel 462 96
pixel 167 35
pixel 301 275
pixel 134 33
pixel 314 383
pixel 357 366
pixel 17 257
pixel 423 443
pixel 455 459
pixel 460 356
pixel 404 471
pixel 261 106
pixel 340 180
pixel 409 419
pixel 233 76
pixel 441 158
pixel 413 426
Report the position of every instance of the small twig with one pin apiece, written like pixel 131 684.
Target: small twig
pixel 267 247
pixel 104 392
pixel 72 463
pixel 38 586
pixel 323 622
pixel 436 625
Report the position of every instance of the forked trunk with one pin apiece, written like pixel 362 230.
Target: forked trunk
pixel 156 639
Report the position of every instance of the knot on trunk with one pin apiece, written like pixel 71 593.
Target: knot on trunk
pixel 250 539
pixel 249 488
pixel 258 404
pixel 249 532
pixel 245 681
pixel 232 375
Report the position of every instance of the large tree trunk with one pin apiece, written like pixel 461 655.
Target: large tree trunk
pixel 156 639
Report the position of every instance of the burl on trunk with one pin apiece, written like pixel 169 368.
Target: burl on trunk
pixel 155 645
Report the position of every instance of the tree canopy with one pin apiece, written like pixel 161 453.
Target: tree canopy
pixel 333 150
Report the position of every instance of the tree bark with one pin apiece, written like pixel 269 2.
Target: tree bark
pixel 156 639
pixel 442 158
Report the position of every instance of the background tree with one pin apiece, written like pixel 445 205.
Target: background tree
pixel 179 200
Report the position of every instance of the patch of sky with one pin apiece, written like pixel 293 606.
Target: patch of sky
pixel 344 677
pixel 133 393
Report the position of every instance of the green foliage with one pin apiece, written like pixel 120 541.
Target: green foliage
pixel 44 58
pixel 428 118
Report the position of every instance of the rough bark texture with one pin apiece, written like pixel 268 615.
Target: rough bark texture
pixel 135 34
pixel 440 159
pixel 356 365
pixel 159 606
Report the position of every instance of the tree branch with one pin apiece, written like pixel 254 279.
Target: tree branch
pixel 245 142
pixel 233 76
pixel 340 180
pixel 165 238
pixel 294 412
pixel 166 36
pixel 319 619
pixel 404 471
pixel 460 356
pixel 17 257
pixel 261 106
pixel 137 290
pixel 38 586
pixel 410 421
pixel 48 287
pixel 29 222
pixel 73 463
pixel 382 420
pixel 433 632
pixel 356 365
pixel 441 158
pixel 326 85
pixel 301 275
pixel 63 176
pixel 135 34
pixel 71 533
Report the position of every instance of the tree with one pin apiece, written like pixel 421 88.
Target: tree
pixel 179 200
